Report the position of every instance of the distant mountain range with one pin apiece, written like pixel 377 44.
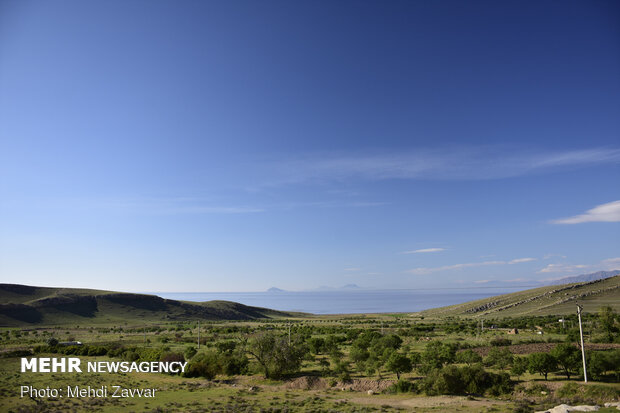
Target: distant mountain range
pixel 321 288
pixel 599 275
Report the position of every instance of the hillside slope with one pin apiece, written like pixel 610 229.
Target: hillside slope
pixel 27 305
pixel 556 299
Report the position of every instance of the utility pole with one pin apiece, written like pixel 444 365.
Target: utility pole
pixel 583 350
pixel 199 335
pixel 144 335
pixel 289 333
pixel 381 327
pixel 482 325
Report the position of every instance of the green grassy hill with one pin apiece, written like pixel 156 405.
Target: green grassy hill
pixel 555 299
pixel 26 305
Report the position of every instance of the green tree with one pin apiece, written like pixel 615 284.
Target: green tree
pixel 468 357
pixel 398 363
pixel 519 366
pixel 499 357
pixel 607 322
pixel 568 358
pixel 437 354
pixel 416 358
pixel 275 355
pixel 316 345
pixel 542 363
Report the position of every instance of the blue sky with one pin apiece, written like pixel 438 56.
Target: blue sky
pixel 235 146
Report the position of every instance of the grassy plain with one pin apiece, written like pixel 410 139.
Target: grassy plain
pixel 318 385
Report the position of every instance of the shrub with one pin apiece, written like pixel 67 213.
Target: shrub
pixel 500 341
pixel 171 356
pixel 190 352
pixel 234 363
pixel 568 391
pixel 597 393
pixel 205 365
pixel 465 380
pixel 401 386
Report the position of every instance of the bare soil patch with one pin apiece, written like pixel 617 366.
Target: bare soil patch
pixel 318 383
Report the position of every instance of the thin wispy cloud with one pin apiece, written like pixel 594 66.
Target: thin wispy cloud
pixel 611 263
pixel 190 205
pixel 153 206
pixel 549 256
pixel 424 250
pixel 521 260
pixel 609 212
pixel 431 270
pixel 604 265
pixel 553 268
pixel 480 163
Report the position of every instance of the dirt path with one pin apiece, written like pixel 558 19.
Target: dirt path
pixel 446 402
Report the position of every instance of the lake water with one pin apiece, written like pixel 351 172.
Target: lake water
pixel 346 302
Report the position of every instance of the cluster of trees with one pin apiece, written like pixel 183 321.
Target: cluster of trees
pixel 370 352
pixel 566 358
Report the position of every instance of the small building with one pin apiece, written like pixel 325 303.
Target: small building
pixel 513 331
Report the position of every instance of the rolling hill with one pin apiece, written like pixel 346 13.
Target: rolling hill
pixel 556 299
pixel 28 305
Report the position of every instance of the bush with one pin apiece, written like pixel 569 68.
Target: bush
pixel 597 393
pixel 401 386
pixel 500 341
pixel 205 365
pixel 235 363
pixel 15 353
pixel 568 391
pixel 465 380
pixel 190 352
pixel 601 362
pixel 171 356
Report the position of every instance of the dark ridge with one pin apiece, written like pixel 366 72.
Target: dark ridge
pixel 18 289
pixel 66 305
pixel 21 312
pixel 141 301
pixel 82 305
